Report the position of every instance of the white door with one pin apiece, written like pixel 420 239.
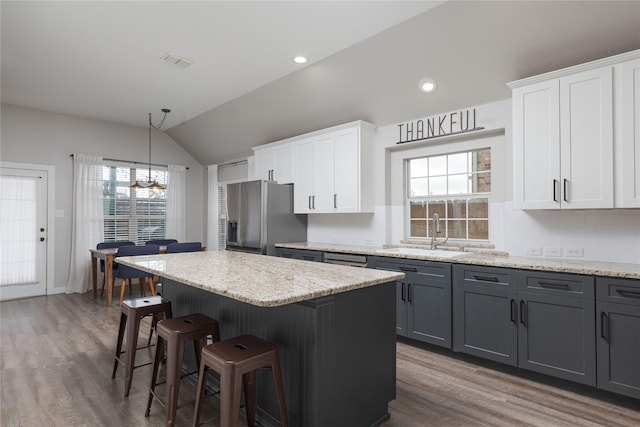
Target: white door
pixel 323 174
pixel 586 135
pixel 536 146
pixel 347 170
pixel 23 233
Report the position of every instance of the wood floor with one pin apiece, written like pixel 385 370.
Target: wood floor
pixel 56 360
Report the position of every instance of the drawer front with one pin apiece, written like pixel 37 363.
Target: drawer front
pixel 622 291
pixel 410 267
pixel 302 254
pixel 557 284
pixel 486 276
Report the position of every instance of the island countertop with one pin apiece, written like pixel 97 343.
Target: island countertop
pixel 259 280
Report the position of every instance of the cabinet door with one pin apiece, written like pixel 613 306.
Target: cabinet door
pixel 347 170
pixel 283 164
pixel 429 311
pixel 401 308
pixel 485 313
pixel 323 173
pixel 536 146
pixel 556 336
pixel 619 348
pixel 628 135
pixel 303 173
pixel 586 135
pixel 264 164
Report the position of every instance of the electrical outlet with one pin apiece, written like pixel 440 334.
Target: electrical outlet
pixel 574 251
pixel 553 251
pixel 533 251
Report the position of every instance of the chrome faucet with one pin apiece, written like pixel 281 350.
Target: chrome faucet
pixel 435 229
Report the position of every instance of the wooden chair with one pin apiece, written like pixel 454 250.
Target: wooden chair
pixel 125 272
pixel 110 245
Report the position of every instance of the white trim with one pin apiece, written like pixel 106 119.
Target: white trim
pixel 609 61
pixel 51 196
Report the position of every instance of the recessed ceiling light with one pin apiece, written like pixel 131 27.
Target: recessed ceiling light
pixel 300 59
pixel 427 85
pixel 180 62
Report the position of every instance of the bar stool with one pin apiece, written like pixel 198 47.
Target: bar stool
pixel 132 311
pixel 238 359
pixel 177 331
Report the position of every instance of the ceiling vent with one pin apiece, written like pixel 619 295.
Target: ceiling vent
pixel 180 62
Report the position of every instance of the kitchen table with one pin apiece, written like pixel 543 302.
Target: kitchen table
pixel 334 327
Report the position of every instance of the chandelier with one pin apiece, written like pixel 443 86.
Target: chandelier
pixel 153 185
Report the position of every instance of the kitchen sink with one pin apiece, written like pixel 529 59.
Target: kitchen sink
pixel 436 253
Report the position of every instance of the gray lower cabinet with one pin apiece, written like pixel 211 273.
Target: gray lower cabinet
pixel 618 335
pixel 543 322
pixel 485 312
pixel 556 325
pixel 302 254
pixel 423 299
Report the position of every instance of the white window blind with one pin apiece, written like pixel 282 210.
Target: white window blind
pixel 17 230
pixel 222 218
pixel 137 215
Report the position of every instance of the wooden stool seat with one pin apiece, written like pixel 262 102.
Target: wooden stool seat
pixel 176 332
pixel 132 312
pixel 236 360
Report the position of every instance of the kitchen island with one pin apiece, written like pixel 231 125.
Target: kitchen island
pixel 334 327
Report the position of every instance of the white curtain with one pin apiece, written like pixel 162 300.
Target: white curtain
pixel 88 219
pixel 212 208
pixel 176 226
pixel 18 197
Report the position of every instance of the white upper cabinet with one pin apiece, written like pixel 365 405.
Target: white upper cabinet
pixel 586 140
pixel 332 171
pixel 274 162
pixel 563 137
pixel 627 105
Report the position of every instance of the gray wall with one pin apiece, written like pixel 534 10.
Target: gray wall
pixel 41 137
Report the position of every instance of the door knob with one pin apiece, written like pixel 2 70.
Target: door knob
pixel 42 239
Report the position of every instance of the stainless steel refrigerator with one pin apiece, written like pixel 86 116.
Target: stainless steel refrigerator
pixel 260 214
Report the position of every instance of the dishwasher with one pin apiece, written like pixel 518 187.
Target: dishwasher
pixel 345 259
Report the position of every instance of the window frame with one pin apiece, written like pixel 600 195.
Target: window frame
pixel 134 219
pixel 446 198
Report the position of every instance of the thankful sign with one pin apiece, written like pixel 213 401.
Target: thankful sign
pixel 442 125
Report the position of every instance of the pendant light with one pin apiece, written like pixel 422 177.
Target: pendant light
pixel 153 185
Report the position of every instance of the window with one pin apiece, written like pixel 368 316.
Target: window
pixel 137 215
pixel 455 186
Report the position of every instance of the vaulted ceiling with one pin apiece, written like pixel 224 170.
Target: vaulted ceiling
pixel 102 60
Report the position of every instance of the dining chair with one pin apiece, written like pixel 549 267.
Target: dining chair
pixel 173 248
pixel 125 272
pixel 161 242
pixel 110 245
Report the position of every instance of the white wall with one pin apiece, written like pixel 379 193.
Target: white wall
pixel 604 235
pixel 35 136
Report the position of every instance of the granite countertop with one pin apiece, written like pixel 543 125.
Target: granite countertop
pixel 260 280
pixel 484 257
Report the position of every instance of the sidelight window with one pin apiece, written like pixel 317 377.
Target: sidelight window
pixel 456 186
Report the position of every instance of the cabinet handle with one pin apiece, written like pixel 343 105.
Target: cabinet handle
pixel 604 326
pixel 307 257
pixel 335 201
pixel 313 201
pixel 555 187
pixel 409 269
pixel 523 313
pixel 564 196
pixel 309 202
pixel 403 298
pixel 409 296
pixel 486 278
pixel 513 311
pixel 628 294
pixel 560 286
pixel 287 255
